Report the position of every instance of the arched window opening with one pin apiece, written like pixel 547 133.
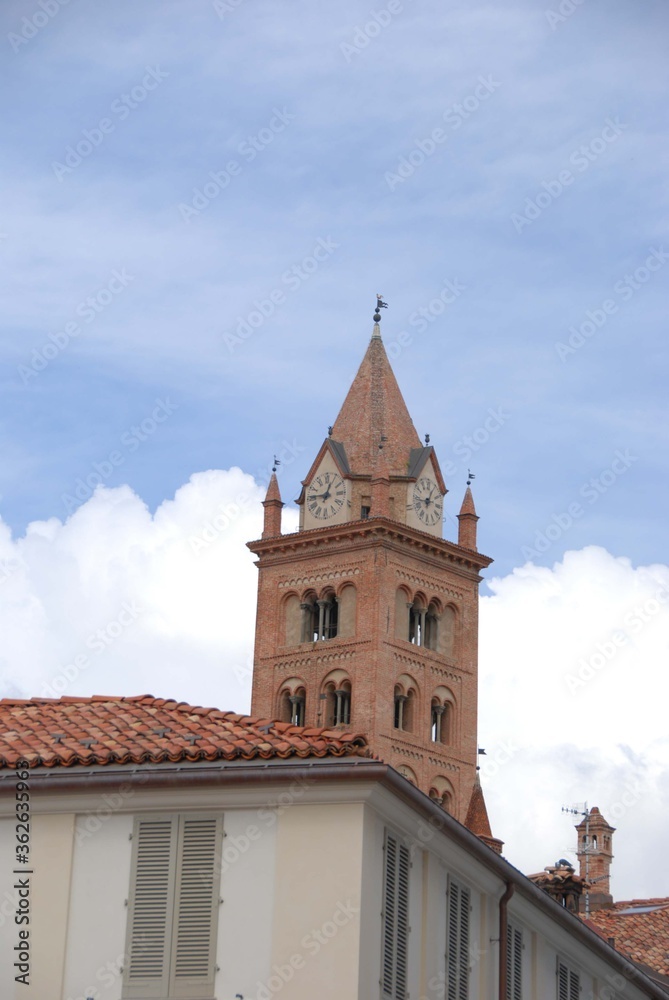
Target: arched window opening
pixel 437 721
pixel 404 709
pixel 441 717
pixel 431 628
pixel 400 701
pixel 297 703
pixel 320 619
pixel 417 616
pixel 594 843
pixel 441 792
pixel 337 697
pixel 423 625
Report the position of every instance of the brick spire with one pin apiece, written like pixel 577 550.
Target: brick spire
pixel 375 409
pixel 273 505
pixel 467 519
pixel 477 820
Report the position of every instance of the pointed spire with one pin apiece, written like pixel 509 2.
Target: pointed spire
pixel 467 519
pixel 374 409
pixel 273 505
pixel 477 820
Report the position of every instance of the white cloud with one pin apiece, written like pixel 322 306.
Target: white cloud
pixel 573 663
pixel 572 689
pixel 173 594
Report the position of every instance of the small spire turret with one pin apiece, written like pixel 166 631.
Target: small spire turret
pixel 467 519
pixel 273 505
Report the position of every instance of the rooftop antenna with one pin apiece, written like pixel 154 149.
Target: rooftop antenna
pixel 585 812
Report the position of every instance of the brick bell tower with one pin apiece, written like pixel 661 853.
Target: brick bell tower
pixel 367 618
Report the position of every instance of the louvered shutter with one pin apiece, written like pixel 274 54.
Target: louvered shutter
pixel 514 965
pixel 569 983
pixel 195 907
pixel 457 956
pixel 150 907
pixel 395 930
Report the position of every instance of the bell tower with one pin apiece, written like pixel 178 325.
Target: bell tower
pixel 367 617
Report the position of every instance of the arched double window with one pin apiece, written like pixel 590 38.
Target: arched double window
pixel 292 702
pixel 441 792
pixel 404 704
pixel 320 618
pixel 442 716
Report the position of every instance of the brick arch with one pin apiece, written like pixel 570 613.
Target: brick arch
pixel 291 701
pixel 448 631
pixel 408 773
pixel 406 703
pixel 443 716
pixel 442 792
pixel 337 701
pixel 290 619
pixel 403 598
pixel 347 597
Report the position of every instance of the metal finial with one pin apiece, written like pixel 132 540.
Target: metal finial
pixel 427 440
pixel 277 463
pixel 470 476
pixel 330 430
pixel 380 304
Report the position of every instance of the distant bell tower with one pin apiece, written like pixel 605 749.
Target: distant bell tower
pixel 367 618
pixel 595 854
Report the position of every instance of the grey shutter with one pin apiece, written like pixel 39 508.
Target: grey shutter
pixel 196 907
pixel 514 964
pixel 563 982
pixel 150 907
pixel 569 983
pixel 395 929
pixel 457 956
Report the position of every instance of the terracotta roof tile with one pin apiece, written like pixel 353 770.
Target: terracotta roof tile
pixel 72 731
pixel 642 936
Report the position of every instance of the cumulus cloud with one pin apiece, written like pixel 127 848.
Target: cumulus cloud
pixel 118 600
pixel 572 684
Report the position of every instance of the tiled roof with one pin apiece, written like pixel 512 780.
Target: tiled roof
pixel 72 731
pixel 641 936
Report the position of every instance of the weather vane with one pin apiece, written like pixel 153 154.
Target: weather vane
pixel 277 463
pixel 470 476
pixel 380 304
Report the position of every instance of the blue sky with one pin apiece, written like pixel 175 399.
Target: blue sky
pixel 173 171
pixel 349 116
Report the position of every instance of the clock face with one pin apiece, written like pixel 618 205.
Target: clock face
pixel 427 501
pixel 326 495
